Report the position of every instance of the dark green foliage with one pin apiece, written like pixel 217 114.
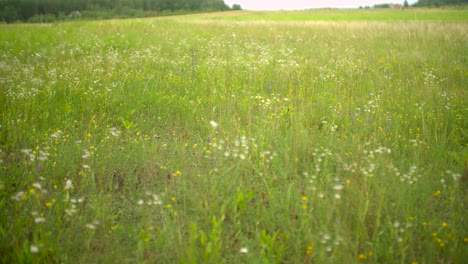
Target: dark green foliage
pixel 32 10
pixel 382 6
pixel 440 2
pixel 236 7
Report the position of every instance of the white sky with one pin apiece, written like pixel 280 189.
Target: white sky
pixel 306 4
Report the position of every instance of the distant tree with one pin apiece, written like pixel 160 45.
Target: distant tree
pixel 236 7
pixel 9 14
pixel 405 4
pixel 382 6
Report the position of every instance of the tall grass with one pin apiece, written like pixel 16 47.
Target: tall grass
pixel 190 140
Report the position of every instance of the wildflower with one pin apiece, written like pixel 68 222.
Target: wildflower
pixel 304 198
pixel 86 154
pixel 310 248
pixel 437 193
pixel 19 196
pixel 114 132
pixel 68 185
pixel 71 211
pixel 34 249
pixel 50 203
pixel 338 187
pixel 56 134
pixel 362 257
pixel 37 185
pixel 213 124
pixel 93 225
pixel 444 224
pixel 244 250
pixel 26 151
pixel 38 220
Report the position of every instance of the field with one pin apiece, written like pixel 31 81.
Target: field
pixel 241 137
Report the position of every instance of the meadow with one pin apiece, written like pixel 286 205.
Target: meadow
pixel 237 137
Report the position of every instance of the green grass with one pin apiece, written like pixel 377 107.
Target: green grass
pixel 352 15
pixel 188 140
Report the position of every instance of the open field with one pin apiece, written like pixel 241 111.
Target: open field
pixel 226 138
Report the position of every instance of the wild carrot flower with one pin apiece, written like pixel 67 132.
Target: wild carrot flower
pixel 213 124
pixel 86 154
pixel 244 250
pixel 114 132
pixel 38 220
pixel 34 249
pixel 68 185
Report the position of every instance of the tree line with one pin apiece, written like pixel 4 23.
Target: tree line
pixel 31 10
pixel 422 3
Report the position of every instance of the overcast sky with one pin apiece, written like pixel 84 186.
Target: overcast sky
pixel 305 4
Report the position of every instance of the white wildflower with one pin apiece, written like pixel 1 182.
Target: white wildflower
pixel 68 185
pixel 244 250
pixel 34 249
pixel 38 220
pixel 37 185
pixel 338 187
pixel 86 154
pixel 213 124
pixel 114 132
pixel 56 134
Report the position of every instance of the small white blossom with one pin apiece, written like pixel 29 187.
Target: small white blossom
pixel 86 154
pixel 34 249
pixel 244 250
pixel 213 124
pixel 68 185
pixel 114 132
pixel 338 187
pixel 38 220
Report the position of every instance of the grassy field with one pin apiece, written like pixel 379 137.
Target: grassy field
pixel 236 138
